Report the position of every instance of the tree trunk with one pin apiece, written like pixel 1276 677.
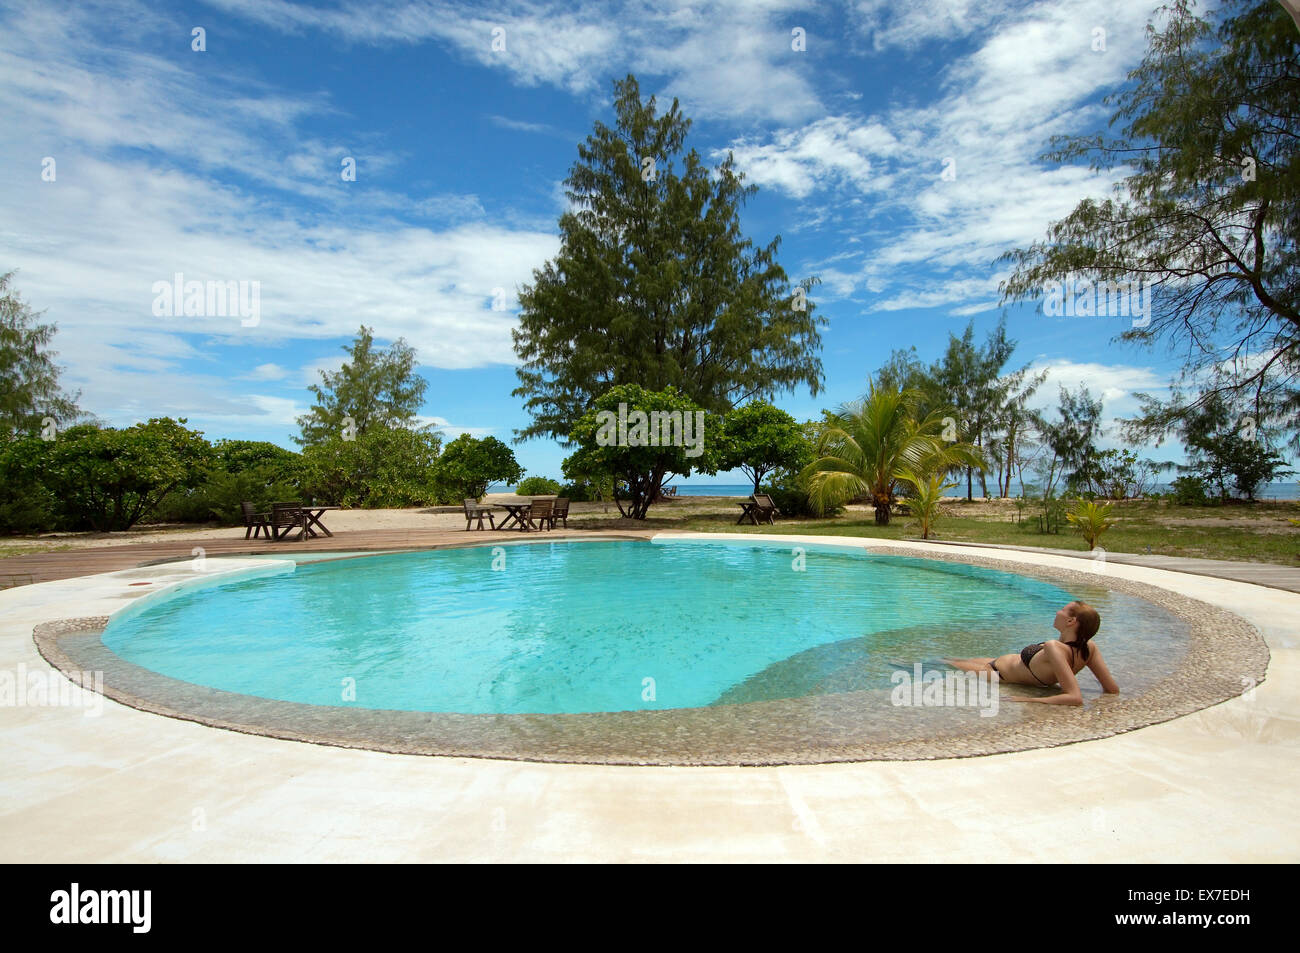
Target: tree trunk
pixel 882 514
pixel 969 487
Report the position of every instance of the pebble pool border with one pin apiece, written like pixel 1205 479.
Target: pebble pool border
pixel 1226 656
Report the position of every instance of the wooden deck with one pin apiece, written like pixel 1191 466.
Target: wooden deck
pixel 43 567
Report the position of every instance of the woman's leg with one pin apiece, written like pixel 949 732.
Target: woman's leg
pixel 971 664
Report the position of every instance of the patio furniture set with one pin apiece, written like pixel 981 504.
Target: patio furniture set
pixel 283 519
pixel 759 508
pixel 522 512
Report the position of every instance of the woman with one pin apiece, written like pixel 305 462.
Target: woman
pixel 1057 661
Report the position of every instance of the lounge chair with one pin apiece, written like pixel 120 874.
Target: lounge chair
pixel 540 513
pixel 764 509
pixel 474 509
pixel 255 522
pixel 284 517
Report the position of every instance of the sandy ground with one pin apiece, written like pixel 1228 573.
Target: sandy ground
pixel 337 520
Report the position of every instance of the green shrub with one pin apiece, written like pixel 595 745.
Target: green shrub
pixel 468 466
pixel 1048 510
pixel 382 467
pixel 217 499
pixel 100 478
pixel 539 486
pixel 790 495
pixel 26 504
pixel 1188 491
pixel 578 492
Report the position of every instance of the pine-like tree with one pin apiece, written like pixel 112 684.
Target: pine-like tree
pixel 654 284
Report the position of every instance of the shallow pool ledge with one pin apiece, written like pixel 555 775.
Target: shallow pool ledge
pixel 127 591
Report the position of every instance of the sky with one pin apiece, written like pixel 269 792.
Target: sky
pixel 895 146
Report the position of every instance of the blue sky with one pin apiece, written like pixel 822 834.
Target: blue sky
pixel 224 165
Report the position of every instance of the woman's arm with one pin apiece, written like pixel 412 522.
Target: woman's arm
pixel 1059 654
pixel 1098 667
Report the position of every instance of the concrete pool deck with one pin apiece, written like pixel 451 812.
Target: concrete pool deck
pixel 1213 786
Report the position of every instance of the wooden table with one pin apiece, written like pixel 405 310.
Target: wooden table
pixel 749 511
pixel 517 511
pixel 312 517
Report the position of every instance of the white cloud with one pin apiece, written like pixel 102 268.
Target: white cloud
pixel 934 237
pixel 887 23
pixel 451 431
pixel 146 153
pixel 1113 383
pixel 266 372
pixel 731 58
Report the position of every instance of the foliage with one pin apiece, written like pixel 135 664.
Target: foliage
pixel 988 407
pixel 376 388
pixel 578 492
pixel 1226 447
pixel 1209 212
pixel 926 498
pixel 867 443
pixel 1051 512
pixel 539 486
pixel 29 378
pixel 639 466
pixel 1120 475
pixel 470 464
pixel 654 284
pixel 218 497
pixel 789 491
pixel 1071 440
pixel 759 439
pixel 382 467
pixel 1090 519
pixel 105 479
pixel 1188 491
pixel 240 456
pixel 27 504
pixel 969 378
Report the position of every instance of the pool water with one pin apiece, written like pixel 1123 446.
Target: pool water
pixel 610 626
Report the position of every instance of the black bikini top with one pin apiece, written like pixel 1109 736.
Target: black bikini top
pixel 1029 651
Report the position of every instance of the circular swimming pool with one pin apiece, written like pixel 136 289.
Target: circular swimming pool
pixel 680 650
pixel 610 626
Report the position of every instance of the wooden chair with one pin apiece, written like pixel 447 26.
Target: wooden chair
pixel 475 509
pixel 284 517
pixel 540 513
pixel 764 508
pixel 255 522
pixel 560 512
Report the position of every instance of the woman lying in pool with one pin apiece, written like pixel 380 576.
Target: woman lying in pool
pixel 1057 661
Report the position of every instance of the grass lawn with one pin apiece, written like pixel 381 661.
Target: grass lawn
pixel 1250 533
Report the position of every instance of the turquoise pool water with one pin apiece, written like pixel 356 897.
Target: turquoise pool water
pixel 608 626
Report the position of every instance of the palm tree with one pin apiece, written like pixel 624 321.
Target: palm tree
pixel 927 495
pixel 868 443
